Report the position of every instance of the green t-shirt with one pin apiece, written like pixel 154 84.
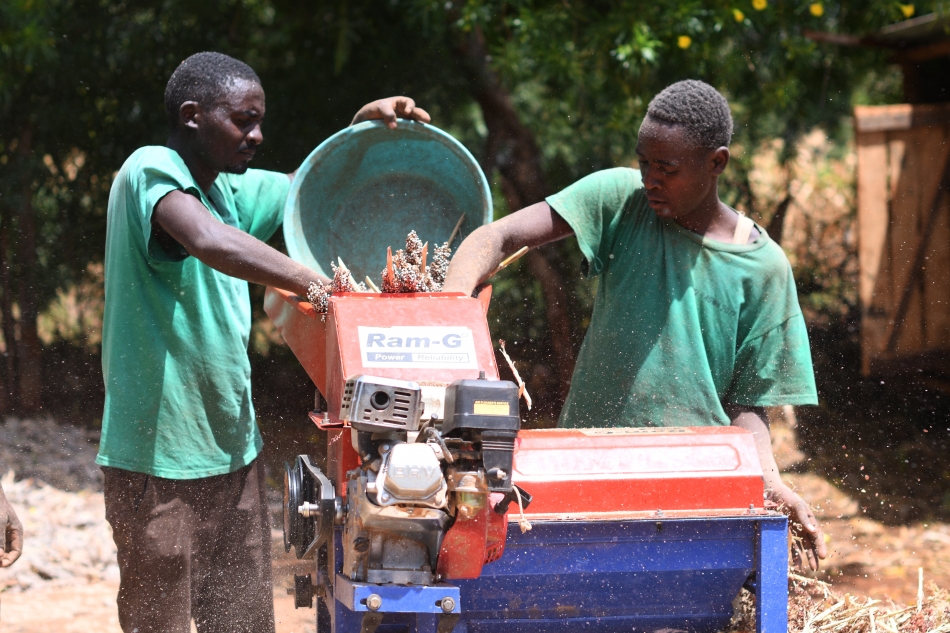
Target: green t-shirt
pixel 682 325
pixel 175 331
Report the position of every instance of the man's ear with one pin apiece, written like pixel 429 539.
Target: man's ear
pixel 188 114
pixel 720 158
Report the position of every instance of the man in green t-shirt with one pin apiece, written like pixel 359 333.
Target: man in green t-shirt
pixel 184 489
pixel 696 319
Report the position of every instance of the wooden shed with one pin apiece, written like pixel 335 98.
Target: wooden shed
pixel 903 185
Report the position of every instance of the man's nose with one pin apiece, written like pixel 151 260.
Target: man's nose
pixel 256 136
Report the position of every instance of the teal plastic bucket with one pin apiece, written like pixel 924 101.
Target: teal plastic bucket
pixel 366 187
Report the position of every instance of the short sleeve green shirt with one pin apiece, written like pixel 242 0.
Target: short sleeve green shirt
pixel 682 325
pixel 175 331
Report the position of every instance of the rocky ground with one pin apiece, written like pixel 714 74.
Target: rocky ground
pixel 67 579
pixel 54 484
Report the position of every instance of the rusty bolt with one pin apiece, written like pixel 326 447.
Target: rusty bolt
pixel 465 511
pixel 448 605
pixel 374 602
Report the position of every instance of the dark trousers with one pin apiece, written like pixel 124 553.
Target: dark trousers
pixel 197 548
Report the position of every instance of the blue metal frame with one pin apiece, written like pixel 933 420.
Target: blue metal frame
pixel 601 576
pixel 771 577
pixel 396 598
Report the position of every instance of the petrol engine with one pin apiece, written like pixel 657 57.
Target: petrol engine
pixel 434 473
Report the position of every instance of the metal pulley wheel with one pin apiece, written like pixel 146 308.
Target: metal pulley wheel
pixel 309 506
pixel 298 531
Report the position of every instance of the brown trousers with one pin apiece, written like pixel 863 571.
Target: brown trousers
pixel 196 548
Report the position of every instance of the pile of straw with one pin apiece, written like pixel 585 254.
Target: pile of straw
pixel 815 607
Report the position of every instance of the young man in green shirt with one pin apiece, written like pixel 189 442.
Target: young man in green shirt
pixel 184 489
pixel 696 320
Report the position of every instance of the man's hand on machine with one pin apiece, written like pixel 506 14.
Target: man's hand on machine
pixel 808 541
pixel 389 109
pixel 806 535
pixel 11 533
pixel 488 246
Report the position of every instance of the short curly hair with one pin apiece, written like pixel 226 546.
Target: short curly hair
pixel 699 108
pixel 205 78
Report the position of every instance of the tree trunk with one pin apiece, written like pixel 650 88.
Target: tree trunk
pixel 10 378
pixel 777 222
pixel 29 351
pixel 511 149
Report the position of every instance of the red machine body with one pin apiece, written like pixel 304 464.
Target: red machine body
pixel 629 472
pixel 572 474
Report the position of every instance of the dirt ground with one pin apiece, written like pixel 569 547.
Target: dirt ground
pixel 870 559
pixel 91 607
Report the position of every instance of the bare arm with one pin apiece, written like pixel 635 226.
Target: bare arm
pixel 484 249
pixel 11 533
pixel 803 522
pixel 227 249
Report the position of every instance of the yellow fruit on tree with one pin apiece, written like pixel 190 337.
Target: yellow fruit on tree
pixel 817 9
pixel 684 41
pixel 738 15
pixel 759 5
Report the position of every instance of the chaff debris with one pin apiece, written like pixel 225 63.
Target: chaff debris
pixel 522 390
pixel 815 607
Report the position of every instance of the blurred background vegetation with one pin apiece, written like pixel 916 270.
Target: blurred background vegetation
pixel 541 91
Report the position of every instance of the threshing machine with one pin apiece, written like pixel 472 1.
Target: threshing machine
pixel 418 520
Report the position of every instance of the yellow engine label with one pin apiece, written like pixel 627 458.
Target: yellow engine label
pixel 491 407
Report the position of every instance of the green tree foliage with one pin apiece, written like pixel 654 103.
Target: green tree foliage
pixel 81 85
pixel 582 73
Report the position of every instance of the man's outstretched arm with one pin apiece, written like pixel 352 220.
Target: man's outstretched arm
pixel 802 522
pixel 11 533
pixel 485 248
pixel 228 249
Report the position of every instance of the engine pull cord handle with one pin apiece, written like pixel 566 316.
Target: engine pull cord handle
pixel 524 500
pixel 523 523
